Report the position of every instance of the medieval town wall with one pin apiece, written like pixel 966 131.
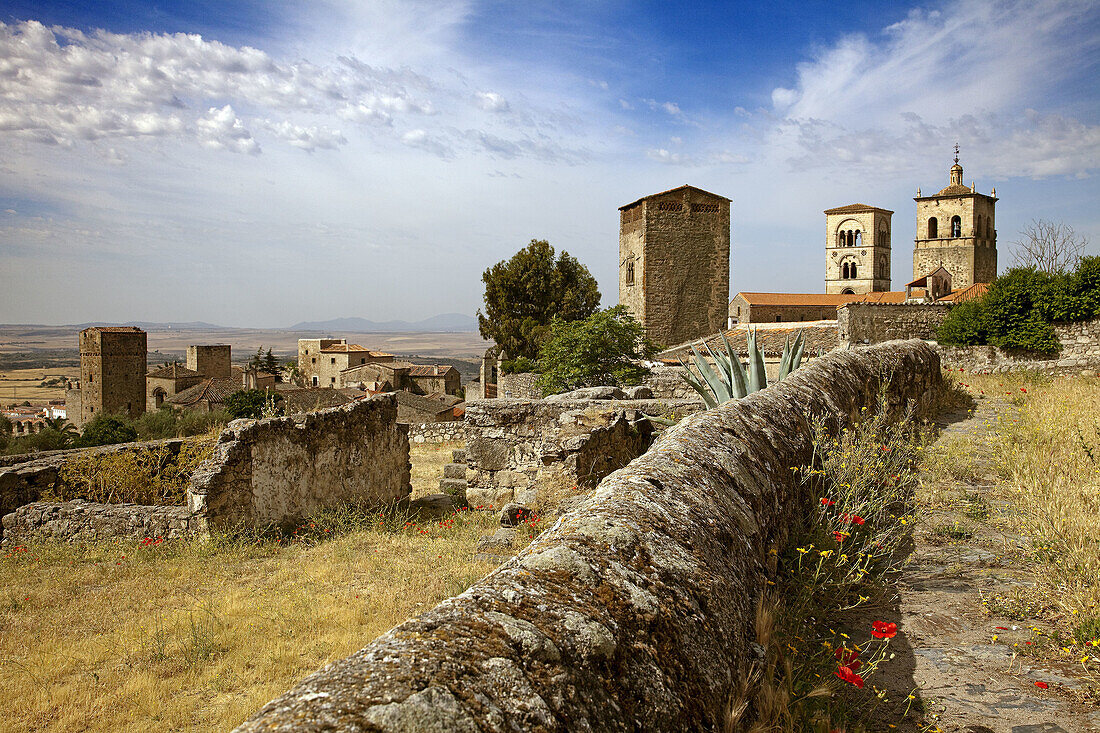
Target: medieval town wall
pixel 639 605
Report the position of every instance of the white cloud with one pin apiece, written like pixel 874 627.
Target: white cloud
pixel 307 138
pixel 221 129
pixel 422 139
pixel 491 102
pixel 940 77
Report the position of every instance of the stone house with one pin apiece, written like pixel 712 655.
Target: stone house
pixel 320 361
pixel 442 378
pixel 786 307
pixel 168 381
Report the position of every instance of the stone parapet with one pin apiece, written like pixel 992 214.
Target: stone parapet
pixel 873 323
pixel 636 609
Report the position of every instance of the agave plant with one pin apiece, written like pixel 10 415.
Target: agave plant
pixel 734 380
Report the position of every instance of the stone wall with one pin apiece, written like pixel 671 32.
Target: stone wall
pixel 84 521
pixel 1080 352
pixel 636 609
pixel 514 448
pixel 521 386
pixel 275 470
pixel 25 481
pixel 666 383
pixel 436 432
pixel 872 323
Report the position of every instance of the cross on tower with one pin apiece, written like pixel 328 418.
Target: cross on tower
pixel 956 153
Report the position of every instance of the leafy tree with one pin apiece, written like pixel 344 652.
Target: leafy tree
pixel 107 430
pixel 271 365
pixel 525 293
pixel 965 325
pixel 66 430
pixel 256 361
pixel 247 403
pixel 603 349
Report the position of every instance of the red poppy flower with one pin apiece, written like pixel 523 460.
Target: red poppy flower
pixel 839 536
pixel 849 675
pixel 1024 390
pixel 857 519
pixel 884 629
pixel 826 502
pixel 1001 628
pixel 847 657
pixel 1042 685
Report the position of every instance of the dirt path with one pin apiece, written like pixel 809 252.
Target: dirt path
pixel 981 652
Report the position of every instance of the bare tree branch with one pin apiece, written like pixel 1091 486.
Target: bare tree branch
pixel 1048 246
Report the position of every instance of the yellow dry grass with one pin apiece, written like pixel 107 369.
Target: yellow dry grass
pixel 427 466
pixel 18 385
pixel 197 636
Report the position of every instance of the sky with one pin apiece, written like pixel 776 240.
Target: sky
pixel 263 163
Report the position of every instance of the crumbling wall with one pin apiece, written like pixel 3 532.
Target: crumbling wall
pixel 634 611
pixel 436 432
pixel 274 470
pixel 514 447
pixel 85 521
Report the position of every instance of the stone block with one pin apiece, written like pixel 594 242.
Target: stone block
pixel 513 514
pixel 458 455
pixel 489 497
pixel 455 470
pixel 488 453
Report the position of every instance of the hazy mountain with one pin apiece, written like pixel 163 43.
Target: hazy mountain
pixel 446 322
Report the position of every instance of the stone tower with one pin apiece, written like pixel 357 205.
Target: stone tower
pixel 112 372
pixel 857 249
pixel 956 231
pixel 210 361
pixel 674 263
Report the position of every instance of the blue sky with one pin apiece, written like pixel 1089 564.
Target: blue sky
pixel 263 163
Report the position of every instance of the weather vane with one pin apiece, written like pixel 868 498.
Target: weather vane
pixel 956 153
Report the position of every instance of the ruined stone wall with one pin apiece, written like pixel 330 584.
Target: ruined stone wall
pixel 514 448
pixel 635 610
pixel 274 470
pixel 1080 352
pixel 436 432
pixel 666 383
pixel 872 323
pixel 82 521
pixel 521 386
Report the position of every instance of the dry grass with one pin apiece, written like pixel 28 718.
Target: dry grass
pixel 427 466
pixel 197 636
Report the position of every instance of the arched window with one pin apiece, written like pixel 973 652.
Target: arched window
pixel 847 291
pixel 840 239
pixel 629 273
pixel 883 267
pixel 844 271
pixel 852 271
pixel 859 239
pixel 933 228
pixel 956 226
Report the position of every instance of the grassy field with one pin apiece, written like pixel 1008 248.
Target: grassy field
pixel 197 636
pixel 17 385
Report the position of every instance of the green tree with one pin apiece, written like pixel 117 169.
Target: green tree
pixel 525 293
pixel 107 430
pixel 65 429
pixel 247 403
pixel 271 366
pixel 5 425
pixel 603 349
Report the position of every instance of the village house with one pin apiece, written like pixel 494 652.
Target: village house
pixel 320 361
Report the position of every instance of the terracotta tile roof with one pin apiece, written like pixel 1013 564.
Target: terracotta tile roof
pixel 893 296
pixel 348 348
pixel 173 371
pixel 428 370
pixel 671 190
pixel 213 390
pixel 854 208
pixel 770 337
pixel 962 295
pixel 797 298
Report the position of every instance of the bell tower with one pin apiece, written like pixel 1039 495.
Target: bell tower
pixel 857 249
pixel 956 230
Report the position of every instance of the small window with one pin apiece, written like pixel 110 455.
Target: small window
pixel 629 273
pixel 91 377
pixel 333 380
pixel 363 360
pixel 852 271
pixel 956 226
pixel 314 381
pixel 313 360
pixel 332 360
pixel 933 228
pixel 779 319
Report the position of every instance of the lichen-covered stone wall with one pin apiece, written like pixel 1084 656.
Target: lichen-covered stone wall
pixel 274 470
pixel 86 522
pixel 635 610
pixel 1080 352
pixel 436 432
pixel 519 386
pixel 873 323
pixel 515 447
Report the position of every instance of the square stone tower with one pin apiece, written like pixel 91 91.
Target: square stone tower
pixel 112 371
pixel 674 263
pixel 956 230
pixel 212 362
pixel 857 249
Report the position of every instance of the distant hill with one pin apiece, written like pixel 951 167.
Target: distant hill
pixel 447 322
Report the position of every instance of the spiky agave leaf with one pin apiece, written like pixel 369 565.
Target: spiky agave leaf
pixel 737 371
pixel 799 345
pixel 758 378
pixel 687 376
pixel 714 381
pixel 725 370
pixel 785 360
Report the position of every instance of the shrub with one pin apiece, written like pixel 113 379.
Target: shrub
pixel 518 365
pixel 603 349
pixel 107 430
pixel 247 403
pixel 148 476
pixel 169 423
pixel 965 325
